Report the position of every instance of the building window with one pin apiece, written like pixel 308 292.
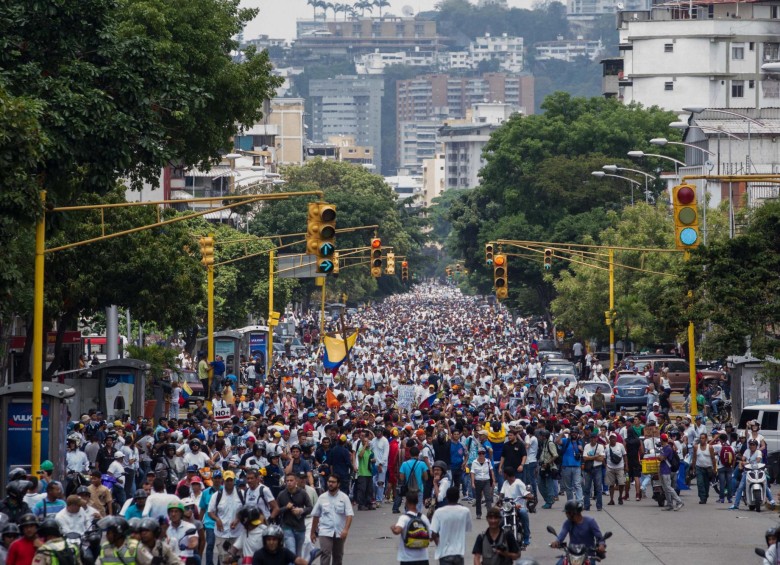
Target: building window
pixel 738 51
pixel 771 52
pixel 751 84
pixel 668 47
pixel 775 12
pixel 668 86
pixel 752 45
pixel 737 88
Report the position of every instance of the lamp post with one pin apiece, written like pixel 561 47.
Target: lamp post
pixel 662 141
pixel 614 168
pixel 602 174
pixel 700 109
pixel 640 154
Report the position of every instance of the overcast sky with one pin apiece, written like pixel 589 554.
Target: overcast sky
pixel 277 17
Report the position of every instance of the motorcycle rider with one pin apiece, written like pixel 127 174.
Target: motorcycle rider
pixel 13 505
pixel 54 551
pixel 751 456
pixel 22 550
pixel 273 550
pixel 8 535
pixel 151 550
pixel 495 546
pixel 582 530
pixel 118 549
pixel 74 517
pixel 514 490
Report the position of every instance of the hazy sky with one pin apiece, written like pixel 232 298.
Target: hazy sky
pixel 277 17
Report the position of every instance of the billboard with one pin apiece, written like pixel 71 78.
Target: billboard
pixel 19 447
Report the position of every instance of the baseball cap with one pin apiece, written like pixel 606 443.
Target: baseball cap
pixel 664 437
pixel 228 475
pixel 196 480
pixel 192 469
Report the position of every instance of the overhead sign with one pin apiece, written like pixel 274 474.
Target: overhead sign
pixel 406 396
pixel 297 266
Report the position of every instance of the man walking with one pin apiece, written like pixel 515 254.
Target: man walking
pixel 448 528
pixel 571 476
pixel 482 480
pixel 592 462
pixel 223 509
pixel 294 505
pixel 332 517
pixel 673 501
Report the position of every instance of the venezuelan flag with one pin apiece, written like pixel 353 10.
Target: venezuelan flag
pixel 335 351
pixel 428 402
pixel 186 391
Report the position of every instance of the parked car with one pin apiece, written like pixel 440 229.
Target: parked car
pixel 590 388
pixel 546 355
pixel 297 349
pixel 191 378
pixel 630 390
pixel 679 370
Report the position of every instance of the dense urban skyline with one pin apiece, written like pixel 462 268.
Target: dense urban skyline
pixel 277 17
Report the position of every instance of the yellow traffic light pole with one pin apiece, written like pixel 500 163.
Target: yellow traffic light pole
pixel 210 318
pixel 611 310
pixel 269 362
pixel 39 279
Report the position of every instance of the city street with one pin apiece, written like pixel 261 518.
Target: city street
pixel 642 534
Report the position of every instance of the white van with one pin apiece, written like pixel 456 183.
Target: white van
pixel 768 415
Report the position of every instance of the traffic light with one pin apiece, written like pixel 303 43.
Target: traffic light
pixel 404 271
pixel 207 250
pixel 390 270
pixel 500 279
pixel 686 216
pixel 273 319
pixel 489 253
pixel 321 235
pixel 376 257
pixel 548 255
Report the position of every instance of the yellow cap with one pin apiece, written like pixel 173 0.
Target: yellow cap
pixel 228 475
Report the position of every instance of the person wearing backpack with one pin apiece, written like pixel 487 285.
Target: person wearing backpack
pixel 414 531
pixel 727 459
pixel 223 509
pixel 449 526
pixel 495 546
pixel 673 501
pixel 54 550
pixel 411 478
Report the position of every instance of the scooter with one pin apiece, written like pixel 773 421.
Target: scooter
pixel 658 491
pixel 576 554
pixel 87 544
pixel 755 485
pixel 510 521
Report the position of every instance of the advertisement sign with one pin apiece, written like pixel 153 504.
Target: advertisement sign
pixel 406 396
pixel 119 394
pixel 257 345
pixel 20 434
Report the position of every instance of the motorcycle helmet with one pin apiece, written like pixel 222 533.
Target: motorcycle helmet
pixel 150 524
pixel 83 490
pixel 248 515
pixel 114 524
pixel 140 493
pixel 133 524
pixel 17 474
pixel 11 530
pixel 17 489
pixel 441 465
pixel 49 527
pixel 573 507
pixel 28 520
pixel 274 531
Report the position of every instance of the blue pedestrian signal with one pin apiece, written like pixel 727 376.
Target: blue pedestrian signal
pixel 688 236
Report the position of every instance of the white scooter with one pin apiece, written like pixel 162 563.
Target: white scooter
pixel 755 485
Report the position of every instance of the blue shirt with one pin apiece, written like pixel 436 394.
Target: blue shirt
pixel 457 454
pixel 47 508
pixel 205 498
pixel 586 533
pixel 569 447
pixel 419 468
pixel 133 512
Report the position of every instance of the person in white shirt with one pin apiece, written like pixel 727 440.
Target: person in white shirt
pixel 182 536
pixel 405 554
pixel 257 494
pixel 381 449
pixel 482 480
pixel 331 519
pixel 196 456
pixel 73 518
pixel 617 467
pixel 449 526
pixel 593 460
pixel 223 508
pixel 75 459
pixel 514 489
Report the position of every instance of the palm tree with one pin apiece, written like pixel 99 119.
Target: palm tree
pixel 381 4
pixel 314 4
pixel 329 6
pixel 364 5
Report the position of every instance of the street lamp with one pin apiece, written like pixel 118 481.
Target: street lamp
pixel 700 109
pixel 602 174
pixel 640 154
pixel 614 168
pixel 686 125
pixel 662 141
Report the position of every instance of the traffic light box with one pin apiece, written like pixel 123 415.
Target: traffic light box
pixel 206 250
pixel 321 235
pixel 404 270
pixel 686 216
pixel 390 270
pixel 489 254
pixel 376 257
pixel 500 278
pixel 548 255
pixel 335 271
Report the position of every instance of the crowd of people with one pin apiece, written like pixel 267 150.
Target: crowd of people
pixel 440 402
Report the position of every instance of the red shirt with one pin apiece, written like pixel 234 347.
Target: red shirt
pixel 21 552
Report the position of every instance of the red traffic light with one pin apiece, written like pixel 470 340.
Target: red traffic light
pixel 404 264
pixel 686 194
pixel 376 243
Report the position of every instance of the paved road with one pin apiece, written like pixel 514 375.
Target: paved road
pixel 643 534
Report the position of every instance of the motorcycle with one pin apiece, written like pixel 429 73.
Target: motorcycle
pixel 510 520
pixel 577 554
pixel 755 485
pixel 87 544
